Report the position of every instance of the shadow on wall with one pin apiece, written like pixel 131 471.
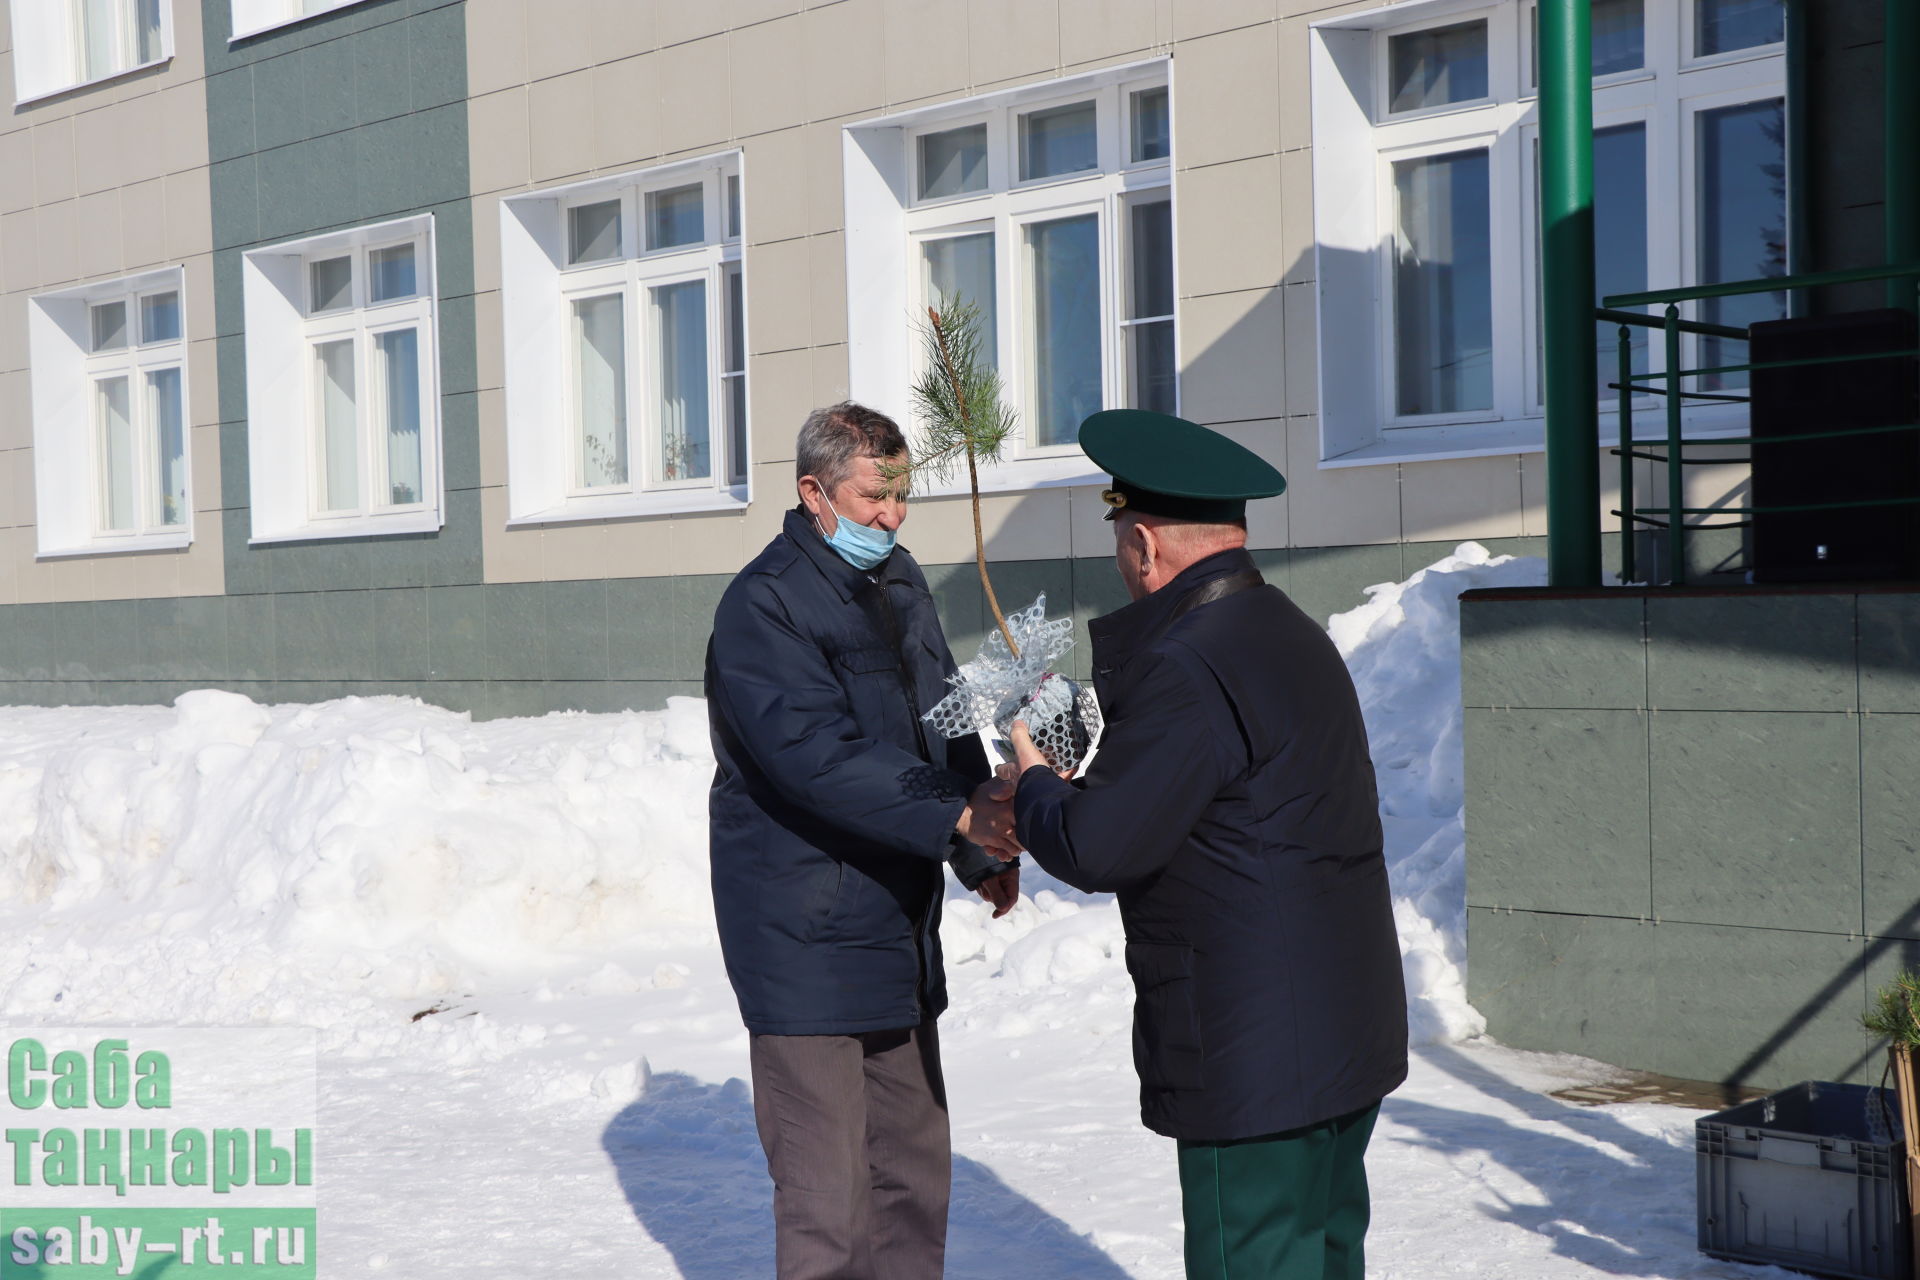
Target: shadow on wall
pixel 689 1162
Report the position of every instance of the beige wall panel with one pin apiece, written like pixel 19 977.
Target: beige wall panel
pixel 16 420
pixel 53 159
pixel 1096 30
pixel 560 38
pixel 1228 226
pixel 498 140
pixel 189 214
pixel 617 549
pixel 695 92
pixel 708 542
pixel 182 112
pixel 489 338
pixel 200 300
pixel 9 588
pixel 143 228
pixel 507 555
pixel 826 196
pixel 492 408
pixel 623 28
pixel 1296 88
pixel 55 238
pixel 1089 532
pixel 204 441
pixel 1230 344
pixel 99 151
pixel 780 391
pixel 1296 216
pixel 13 337
pixel 560 132
pixel 1302 348
pixel 926 48
pixel 486 243
pixel 626 113
pixel 47 580
pixel 203 383
pixel 747 12
pixel 1195 18
pixel 1019 526
pixel 769 81
pixel 828 267
pixel 1008 39
pixel 16 486
pixel 1460 498
pixel 679 23
pixel 778 186
pixel 845 49
pixel 98 246
pixel 19 250
pixel 780 313
pixel 130 577
pixel 497 44
pixel 830 378
pixel 773 494
pixel 1331 507
pixel 1533 491
pixel 16 169
pixel 202 572
pixel 1229 106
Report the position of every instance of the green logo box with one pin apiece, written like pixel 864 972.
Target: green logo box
pixel 156 1244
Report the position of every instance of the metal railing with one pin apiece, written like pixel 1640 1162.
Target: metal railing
pixel 1667 383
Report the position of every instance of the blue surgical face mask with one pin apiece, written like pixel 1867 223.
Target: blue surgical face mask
pixel 860 546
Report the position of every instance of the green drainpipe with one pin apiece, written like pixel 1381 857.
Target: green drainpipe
pixel 1566 237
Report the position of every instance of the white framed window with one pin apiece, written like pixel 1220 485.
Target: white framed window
pixel 1050 208
pixel 250 17
pixel 62 44
pixel 624 306
pixel 1426 199
pixel 343 399
pixel 108 369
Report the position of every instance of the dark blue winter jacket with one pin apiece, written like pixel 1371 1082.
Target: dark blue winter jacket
pixel 833 803
pixel 1232 807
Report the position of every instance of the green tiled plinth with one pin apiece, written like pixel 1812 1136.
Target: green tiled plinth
pixel 1557 811
pixel 1890 823
pixel 1890 652
pixel 1552 653
pixel 1759 653
pixel 1756 819
pixel 1564 983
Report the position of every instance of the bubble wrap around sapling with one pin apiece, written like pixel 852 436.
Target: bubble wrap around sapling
pixel 997 688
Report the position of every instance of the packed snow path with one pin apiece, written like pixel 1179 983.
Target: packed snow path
pixel 573 1104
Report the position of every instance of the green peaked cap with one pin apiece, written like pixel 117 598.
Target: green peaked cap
pixel 1167 466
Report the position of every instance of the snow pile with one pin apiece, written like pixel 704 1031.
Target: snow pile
pixel 1403 647
pixel 220 860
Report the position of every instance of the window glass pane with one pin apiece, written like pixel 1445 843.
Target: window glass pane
pixel 593 232
pixel 1065 355
pixel 676 217
pixel 1058 140
pixel 1619 37
pixel 109 326
pixel 600 391
pixel 733 206
pixel 1150 372
pixel 398 352
pixel 1743 221
pixel 1442 284
pixel 114 426
pixel 960 268
pixel 735 381
pixel 1152 138
pixel 99 42
pixel 147 31
pixel 390 273
pixel 680 312
pixel 953 161
pixel 1434 67
pixel 339 455
pixel 1722 26
pixel 1619 245
pixel 164 412
pixel 160 317
pixel 330 284
pixel 1151 269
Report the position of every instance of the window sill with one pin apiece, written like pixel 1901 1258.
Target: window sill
pixel 355 527
pixel 1492 439
pixel 109 78
pixel 633 506
pixel 119 546
pixel 278 23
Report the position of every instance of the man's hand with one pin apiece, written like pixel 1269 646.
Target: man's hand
pixel 988 819
pixel 1002 890
pixel 1026 755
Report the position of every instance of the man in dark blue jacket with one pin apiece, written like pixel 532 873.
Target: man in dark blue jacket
pixel 832 809
pixel 1231 805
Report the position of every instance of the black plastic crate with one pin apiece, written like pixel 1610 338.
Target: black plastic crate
pixel 1811 1178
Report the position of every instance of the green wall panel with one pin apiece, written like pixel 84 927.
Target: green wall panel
pixel 1759 653
pixel 1553 653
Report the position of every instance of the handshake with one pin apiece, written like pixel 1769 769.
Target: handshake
pixel 988 818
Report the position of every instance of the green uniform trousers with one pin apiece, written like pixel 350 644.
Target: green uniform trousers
pixel 1288 1206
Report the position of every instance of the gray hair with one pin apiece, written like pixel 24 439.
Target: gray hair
pixel 831 438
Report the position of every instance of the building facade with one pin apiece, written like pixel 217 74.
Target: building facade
pixel 457 349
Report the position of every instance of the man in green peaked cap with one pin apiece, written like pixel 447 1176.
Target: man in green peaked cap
pixel 1231 807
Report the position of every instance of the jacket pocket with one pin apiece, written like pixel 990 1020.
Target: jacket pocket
pixel 1166 1022
pixel 823 894
pixel 868 661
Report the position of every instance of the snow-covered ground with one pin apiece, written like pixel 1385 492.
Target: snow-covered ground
pixel 573 1104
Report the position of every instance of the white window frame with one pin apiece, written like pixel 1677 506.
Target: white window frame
pixel 1355 142
pixel 50 48
pixel 887 225
pixel 63 370
pixel 284 433
pixel 538 290
pixel 251 17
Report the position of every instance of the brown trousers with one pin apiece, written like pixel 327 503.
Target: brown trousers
pixel 855 1131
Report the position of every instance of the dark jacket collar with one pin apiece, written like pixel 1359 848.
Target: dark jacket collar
pixel 1119 635
pixel 847 580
